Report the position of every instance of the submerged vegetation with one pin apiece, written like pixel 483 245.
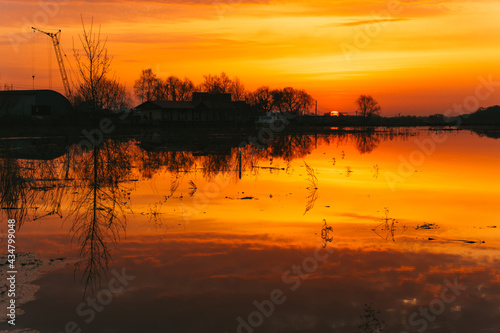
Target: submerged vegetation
pixel 387 228
pixel 371 323
pixel 312 188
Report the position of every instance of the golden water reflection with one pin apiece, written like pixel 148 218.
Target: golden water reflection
pixel 206 242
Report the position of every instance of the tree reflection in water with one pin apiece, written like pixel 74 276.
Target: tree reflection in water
pixel 98 210
pixel 367 142
pixel 15 196
pixel 97 183
pixel 30 185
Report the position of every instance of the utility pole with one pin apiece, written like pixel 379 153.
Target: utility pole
pixel 316 112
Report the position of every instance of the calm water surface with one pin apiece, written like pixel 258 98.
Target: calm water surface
pixel 380 231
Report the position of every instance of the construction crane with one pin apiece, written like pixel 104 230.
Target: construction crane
pixel 57 48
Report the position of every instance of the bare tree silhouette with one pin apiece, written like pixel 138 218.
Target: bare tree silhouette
pixel 367 106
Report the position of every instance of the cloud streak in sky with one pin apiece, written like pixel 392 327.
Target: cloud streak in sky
pixel 356 23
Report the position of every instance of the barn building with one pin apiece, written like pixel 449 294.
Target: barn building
pixel 34 104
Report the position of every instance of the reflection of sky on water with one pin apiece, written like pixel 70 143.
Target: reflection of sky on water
pixel 201 259
pixel 192 283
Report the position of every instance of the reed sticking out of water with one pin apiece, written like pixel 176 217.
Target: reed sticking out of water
pixel 325 233
pixel 174 185
pixel 193 188
pixel 376 170
pixel 388 224
pixel 312 188
pixel 348 171
pixel 312 179
pixel 370 322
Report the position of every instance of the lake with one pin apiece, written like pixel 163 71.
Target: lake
pixel 347 230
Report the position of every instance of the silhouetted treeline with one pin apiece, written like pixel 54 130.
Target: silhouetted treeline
pixel 483 116
pixel 150 87
pixel 373 121
pixel 280 100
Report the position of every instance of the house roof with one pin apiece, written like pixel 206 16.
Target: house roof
pixel 19 103
pixel 223 102
pixel 209 97
pixel 166 105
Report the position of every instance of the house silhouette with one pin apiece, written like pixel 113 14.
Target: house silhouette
pixel 34 104
pixel 203 108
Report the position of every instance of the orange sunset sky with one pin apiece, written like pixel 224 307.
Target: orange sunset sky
pixel 414 57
